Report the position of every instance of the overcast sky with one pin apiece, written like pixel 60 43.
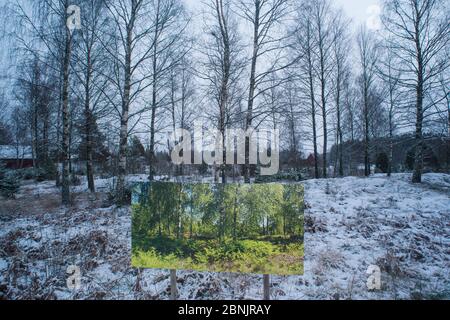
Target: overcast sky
pixel 355 9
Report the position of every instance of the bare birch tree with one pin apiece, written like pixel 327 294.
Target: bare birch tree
pixel 323 20
pixel 52 31
pixel 368 59
pixel 264 17
pixel 222 69
pixel 419 33
pixel 341 74
pixel 305 44
pixel 390 79
pixel 92 64
pixel 132 50
pixel 170 22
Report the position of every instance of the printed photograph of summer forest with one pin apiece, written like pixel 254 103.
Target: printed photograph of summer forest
pixel 219 227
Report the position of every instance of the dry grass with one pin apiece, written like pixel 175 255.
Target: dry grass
pixel 30 205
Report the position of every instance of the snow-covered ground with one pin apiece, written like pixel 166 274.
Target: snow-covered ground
pixel 350 224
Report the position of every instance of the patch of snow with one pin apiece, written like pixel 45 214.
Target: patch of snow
pixel 351 223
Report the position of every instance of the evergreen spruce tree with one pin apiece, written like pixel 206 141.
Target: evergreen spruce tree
pixel 9 184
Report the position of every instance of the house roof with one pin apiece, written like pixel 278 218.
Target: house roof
pixel 15 152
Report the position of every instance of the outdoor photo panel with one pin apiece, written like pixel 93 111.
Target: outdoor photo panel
pixel 241 228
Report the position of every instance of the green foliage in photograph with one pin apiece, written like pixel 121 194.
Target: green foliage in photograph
pixel 219 227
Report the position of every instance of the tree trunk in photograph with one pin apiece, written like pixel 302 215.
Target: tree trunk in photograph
pixel 448 128
pixel 65 190
pixel 152 129
pixel 154 94
pixel 173 285
pixel 222 107
pixel 313 114
pixel 122 165
pixel 177 170
pixel 183 111
pixel 192 219
pixel 266 279
pixel 325 139
pixel 88 141
pixel 58 130
pixel 235 214
pixel 391 144
pixel 366 131
pixel 179 231
pixel 324 102
pixel 123 135
pixel 224 158
pixel 89 160
pixel 70 145
pixel 418 160
pixel 35 137
pixel 252 89
pixel 45 134
pixel 313 102
pixel 340 135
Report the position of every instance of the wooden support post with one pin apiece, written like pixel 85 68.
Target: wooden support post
pixel 266 278
pixel 173 285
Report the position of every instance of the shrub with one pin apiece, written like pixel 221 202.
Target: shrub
pixel 292 175
pixel 382 162
pixel 47 171
pixel 409 162
pixel 119 197
pixel 9 183
pixel 27 173
pixel 75 180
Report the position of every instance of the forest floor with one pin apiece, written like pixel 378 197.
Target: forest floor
pixel 228 255
pixel 350 224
